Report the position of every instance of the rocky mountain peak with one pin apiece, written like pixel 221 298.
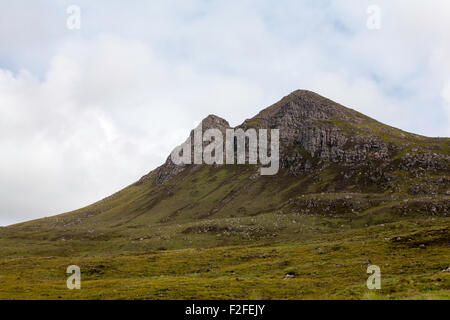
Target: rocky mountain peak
pixel 303 106
pixel 316 132
pixel 214 122
pixel 169 170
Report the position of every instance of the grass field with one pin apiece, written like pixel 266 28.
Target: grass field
pixel 313 258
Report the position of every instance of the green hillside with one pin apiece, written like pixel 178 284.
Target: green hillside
pixel 350 192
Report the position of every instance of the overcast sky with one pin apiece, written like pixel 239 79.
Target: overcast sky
pixel 85 112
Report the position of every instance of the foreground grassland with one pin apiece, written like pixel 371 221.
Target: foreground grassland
pixel 326 258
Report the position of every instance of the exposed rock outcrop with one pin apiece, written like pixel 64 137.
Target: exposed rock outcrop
pixel 169 170
pixel 316 132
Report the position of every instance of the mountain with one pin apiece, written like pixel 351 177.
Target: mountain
pixel 342 174
pixel 325 148
pixel 317 133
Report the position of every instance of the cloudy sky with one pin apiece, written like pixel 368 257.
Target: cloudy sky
pixel 85 112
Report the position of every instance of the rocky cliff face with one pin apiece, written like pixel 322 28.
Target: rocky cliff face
pixel 169 170
pixel 316 133
pixel 309 128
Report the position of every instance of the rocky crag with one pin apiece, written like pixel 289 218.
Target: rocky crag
pixel 317 133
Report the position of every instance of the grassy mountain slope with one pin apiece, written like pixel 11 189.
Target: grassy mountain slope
pixel 350 190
